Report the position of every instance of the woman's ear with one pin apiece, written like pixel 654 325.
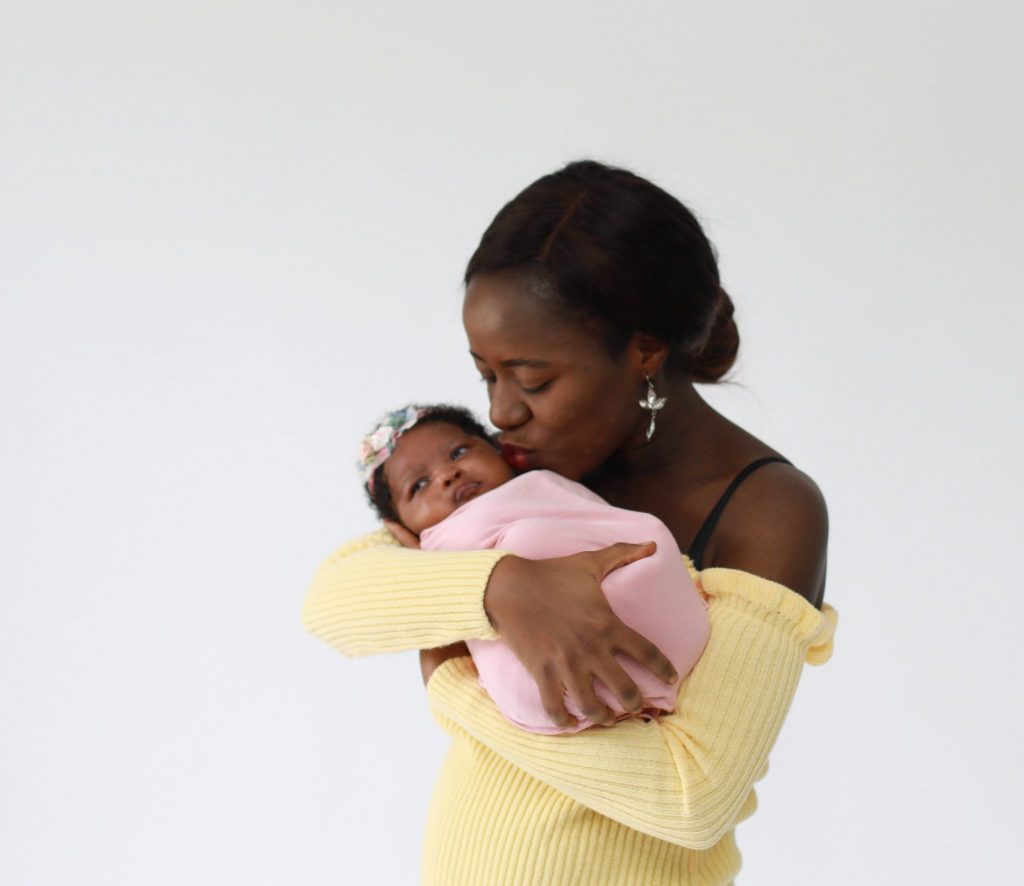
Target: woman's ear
pixel 648 353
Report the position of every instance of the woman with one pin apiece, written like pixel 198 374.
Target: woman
pixel 592 306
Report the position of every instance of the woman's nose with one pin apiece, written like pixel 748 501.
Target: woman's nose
pixel 507 410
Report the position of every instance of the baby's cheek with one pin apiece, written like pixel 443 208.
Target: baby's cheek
pixel 503 473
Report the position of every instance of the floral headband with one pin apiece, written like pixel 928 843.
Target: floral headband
pixel 378 445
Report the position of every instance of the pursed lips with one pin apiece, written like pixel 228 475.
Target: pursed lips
pixel 517 456
pixel 510 444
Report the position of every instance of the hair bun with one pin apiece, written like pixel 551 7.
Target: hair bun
pixel 718 354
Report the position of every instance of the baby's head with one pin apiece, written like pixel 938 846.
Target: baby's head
pixel 422 462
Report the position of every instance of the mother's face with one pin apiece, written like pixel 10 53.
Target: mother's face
pixel 558 399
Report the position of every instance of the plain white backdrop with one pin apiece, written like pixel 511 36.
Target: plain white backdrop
pixel 231 234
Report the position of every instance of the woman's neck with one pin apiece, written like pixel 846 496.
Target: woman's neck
pixel 690 444
pixel 682 471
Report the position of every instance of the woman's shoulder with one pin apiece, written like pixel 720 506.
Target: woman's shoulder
pixel 776 526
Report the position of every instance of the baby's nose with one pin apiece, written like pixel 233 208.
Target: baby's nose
pixel 452 474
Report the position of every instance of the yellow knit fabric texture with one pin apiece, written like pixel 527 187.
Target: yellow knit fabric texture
pixel 636 803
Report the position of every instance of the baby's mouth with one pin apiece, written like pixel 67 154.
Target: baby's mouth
pixel 466 491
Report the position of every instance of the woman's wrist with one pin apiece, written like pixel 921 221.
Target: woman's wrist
pixel 501 580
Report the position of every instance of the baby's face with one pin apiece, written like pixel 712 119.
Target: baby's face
pixel 437 467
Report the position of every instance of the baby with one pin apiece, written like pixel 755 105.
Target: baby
pixel 435 470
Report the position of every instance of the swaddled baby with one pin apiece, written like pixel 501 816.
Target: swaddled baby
pixel 435 470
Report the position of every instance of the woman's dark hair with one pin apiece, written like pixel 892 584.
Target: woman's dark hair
pixel 380 496
pixel 615 248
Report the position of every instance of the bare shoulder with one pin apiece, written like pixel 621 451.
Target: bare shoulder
pixel 776 526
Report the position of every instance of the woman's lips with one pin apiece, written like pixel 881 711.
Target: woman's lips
pixel 516 456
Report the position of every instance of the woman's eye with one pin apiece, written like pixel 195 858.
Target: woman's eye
pixel 488 379
pixel 537 388
pixel 457 451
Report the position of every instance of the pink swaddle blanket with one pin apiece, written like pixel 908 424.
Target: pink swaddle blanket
pixel 541 514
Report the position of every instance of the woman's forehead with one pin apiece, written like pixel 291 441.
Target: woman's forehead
pixel 508 323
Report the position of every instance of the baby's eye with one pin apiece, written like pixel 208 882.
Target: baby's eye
pixel 488 379
pixel 417 486
pixel 458 451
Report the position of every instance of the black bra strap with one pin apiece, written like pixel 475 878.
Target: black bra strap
pixel 704 533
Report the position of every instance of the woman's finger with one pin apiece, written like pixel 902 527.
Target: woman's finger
pixel 619 554
pixel 552 696
pixel 621 685
pixel 431 658
pixel 405 537
pixel 638 647
pixel 587 700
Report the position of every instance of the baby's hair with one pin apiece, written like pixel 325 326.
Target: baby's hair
pixel 377 490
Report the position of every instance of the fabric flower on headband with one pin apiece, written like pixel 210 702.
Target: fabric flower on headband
pixel 378 445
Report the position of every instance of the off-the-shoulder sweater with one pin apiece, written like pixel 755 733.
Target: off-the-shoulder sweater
pixel 636 803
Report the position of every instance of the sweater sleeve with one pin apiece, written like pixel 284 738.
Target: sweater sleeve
pixel 682 778
pixel 372 596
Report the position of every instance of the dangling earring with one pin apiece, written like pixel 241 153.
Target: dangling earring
pixel 654 403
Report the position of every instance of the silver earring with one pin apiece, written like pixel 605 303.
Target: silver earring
pixel 653 403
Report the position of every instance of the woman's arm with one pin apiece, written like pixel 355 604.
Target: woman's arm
pixel 372 596
pixel 682 778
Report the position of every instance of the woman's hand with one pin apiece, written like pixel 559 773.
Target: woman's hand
pixel 431 658
pixel 556 619
pixel 406 538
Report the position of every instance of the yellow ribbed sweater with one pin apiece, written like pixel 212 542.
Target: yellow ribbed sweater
pixel 637 803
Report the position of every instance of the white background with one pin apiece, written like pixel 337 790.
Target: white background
pixel 231 234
